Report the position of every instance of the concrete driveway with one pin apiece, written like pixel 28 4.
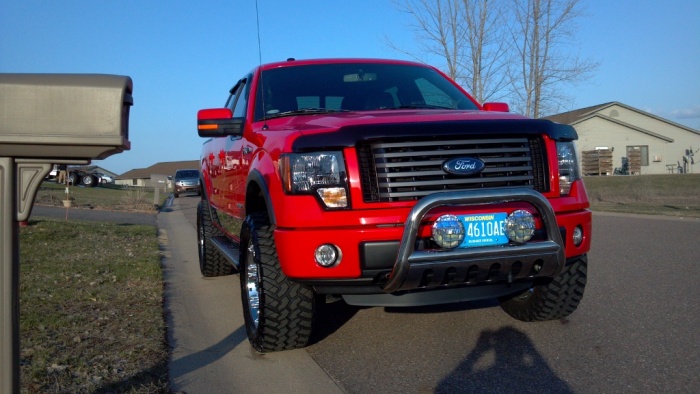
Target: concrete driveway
pixel 210 349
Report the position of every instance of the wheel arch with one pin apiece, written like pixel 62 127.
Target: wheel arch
pixel 257 196
pixel 202 186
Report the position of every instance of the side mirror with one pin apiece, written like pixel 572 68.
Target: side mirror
pixel 496 107
pixel 218 122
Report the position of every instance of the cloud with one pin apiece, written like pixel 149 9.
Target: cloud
pixel 687 113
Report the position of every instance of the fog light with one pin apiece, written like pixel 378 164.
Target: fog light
pixel 578 236
pixel 448 231
pixel 520 226
pixel 327 255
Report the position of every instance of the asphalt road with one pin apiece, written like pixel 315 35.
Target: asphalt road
pixel 636 329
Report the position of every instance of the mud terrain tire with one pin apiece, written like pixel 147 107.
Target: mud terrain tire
pixel 211 262
pixel 555 299
pixel 278 313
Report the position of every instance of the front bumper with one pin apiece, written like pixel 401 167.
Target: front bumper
pixel 187 188
pixel 389 259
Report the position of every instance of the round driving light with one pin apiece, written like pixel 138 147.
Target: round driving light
pixel 520 226
pixel 327 255
pixel 448 231
pixel 578 236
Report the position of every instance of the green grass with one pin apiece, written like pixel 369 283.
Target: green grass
pixel 672 195
pixel 91 308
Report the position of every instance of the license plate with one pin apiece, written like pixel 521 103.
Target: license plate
pixel 484 229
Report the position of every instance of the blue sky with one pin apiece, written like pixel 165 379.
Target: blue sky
pixel 185 55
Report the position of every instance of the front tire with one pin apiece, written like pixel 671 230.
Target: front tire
pixel 555 299
pixel 278 313
pixel 211 262
pixel 74 179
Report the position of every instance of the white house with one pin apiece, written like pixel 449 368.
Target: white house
pixel 665 145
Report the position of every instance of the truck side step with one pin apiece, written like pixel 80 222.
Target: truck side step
pixel 229 249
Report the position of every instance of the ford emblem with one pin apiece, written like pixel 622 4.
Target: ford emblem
pixel 463 166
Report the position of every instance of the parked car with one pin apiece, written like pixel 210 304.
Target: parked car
pixel 186 181
pixel 104 178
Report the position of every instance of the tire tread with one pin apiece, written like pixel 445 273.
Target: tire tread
pixel 211 262
pixel 553 300
pixel 286 308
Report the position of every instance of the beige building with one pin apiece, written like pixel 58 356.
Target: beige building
pixel 155 175
pixel 664 145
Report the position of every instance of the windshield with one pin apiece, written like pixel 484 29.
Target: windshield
pixel 182 174
pixel 327 88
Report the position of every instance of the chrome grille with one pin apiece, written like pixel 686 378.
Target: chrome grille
pixel 409 170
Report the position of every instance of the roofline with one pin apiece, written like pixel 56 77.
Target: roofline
pixel 657 117
pixel 596 108
pixel 621 123
pixel 585 111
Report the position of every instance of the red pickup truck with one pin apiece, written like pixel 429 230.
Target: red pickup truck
pixel 383 183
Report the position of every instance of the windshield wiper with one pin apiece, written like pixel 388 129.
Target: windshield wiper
pixel 305 111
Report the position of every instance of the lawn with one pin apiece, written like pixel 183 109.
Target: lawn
pixel 91 308
pixel 671 195
pixel 114 198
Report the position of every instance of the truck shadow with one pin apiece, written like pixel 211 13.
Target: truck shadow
pixel 329 318
pixel 503 361
pixel 204 357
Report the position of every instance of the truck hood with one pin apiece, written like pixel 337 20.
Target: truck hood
pixel 339 130
pixel 322 123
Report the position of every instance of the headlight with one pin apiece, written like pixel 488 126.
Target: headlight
pixel 321 174
pixel 568 166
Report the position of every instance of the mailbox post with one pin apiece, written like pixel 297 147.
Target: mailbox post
pixel 47 119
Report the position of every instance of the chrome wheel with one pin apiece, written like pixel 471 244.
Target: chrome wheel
pixel 200 241
pixel 252 286
pixel 278 313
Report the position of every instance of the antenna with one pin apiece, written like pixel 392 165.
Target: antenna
pixel 262 86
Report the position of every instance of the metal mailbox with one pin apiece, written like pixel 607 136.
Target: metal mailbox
pixel 46 119
pixel 86 115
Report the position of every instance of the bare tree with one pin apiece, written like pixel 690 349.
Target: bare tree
pixel 540 30
pixel 486 64
pixel 437 31
pixel 496 49
pixel 467 35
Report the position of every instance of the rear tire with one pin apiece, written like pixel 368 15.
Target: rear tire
pixel 278 313
pixel 211 262
pixel 555 299
pixel 89 181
